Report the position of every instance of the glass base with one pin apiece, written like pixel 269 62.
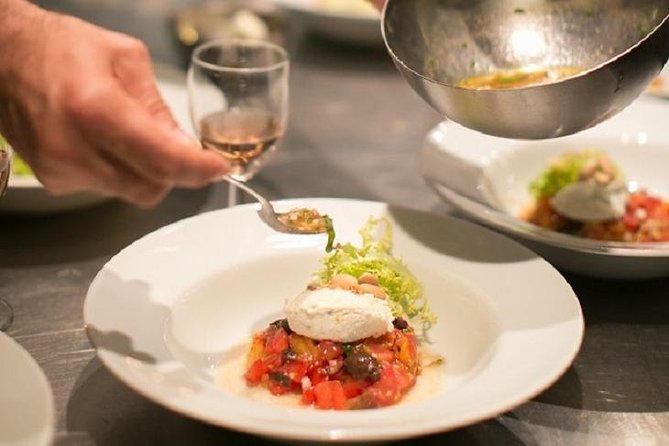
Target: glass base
pixel 6 315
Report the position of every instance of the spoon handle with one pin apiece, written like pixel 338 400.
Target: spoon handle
pixel 243 186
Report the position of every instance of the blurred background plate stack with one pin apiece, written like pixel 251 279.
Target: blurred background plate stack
pixel 248 19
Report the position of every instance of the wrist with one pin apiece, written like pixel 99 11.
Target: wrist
pixel 19 20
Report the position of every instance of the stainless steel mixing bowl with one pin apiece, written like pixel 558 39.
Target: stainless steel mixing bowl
pixel 619 46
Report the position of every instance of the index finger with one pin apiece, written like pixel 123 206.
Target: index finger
pixel 153 147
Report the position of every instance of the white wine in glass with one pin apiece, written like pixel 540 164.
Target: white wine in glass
pixel 238 101
pixel 245 137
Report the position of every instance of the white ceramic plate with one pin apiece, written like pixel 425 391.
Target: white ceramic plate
pixel 350 25
pixel 26 401
pixel 165 311
pixel 487 178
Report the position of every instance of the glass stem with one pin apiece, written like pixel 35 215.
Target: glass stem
pixel 6 315
pixel 232 195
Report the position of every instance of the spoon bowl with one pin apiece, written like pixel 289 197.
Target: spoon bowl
pixel 615 47
pixel 296 221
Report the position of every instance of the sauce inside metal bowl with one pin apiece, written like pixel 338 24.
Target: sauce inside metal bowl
pixel 517 78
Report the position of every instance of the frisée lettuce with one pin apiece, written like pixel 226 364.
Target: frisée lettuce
pixel 404 291
pixel 562 172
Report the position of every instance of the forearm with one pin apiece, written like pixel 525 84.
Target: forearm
pixel 18 21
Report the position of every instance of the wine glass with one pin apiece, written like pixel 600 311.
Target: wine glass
pixel 238 102
pixel 6 312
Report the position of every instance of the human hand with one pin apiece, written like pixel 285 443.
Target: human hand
pixel 378 3
pixel 80 105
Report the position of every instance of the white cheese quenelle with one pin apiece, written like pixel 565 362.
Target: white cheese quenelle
pixel 338 315
pixel 591 201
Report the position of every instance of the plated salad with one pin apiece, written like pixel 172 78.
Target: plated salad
pixel 346 341
pixel 585 194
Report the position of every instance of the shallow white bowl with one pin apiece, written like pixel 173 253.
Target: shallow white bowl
pixel 487 178
pixel 167 310
pixel 27 415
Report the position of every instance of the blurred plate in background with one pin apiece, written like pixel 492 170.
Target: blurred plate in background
pixel 240 19
pixel 351 21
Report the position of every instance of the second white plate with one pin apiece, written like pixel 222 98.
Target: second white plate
pixel 487 178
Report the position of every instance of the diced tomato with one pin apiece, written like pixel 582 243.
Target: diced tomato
pixel 308 397
pixel 354 388
pixel 318 375
pixel 631 222
pixel 295 370
pixel 330 350
pixel 387 390
pixel 330 395
pixel 255 372
pixel 277 341
pixel 273 361
pixel 405 379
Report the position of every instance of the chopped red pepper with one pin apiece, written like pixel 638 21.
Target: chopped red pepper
pixel 383 370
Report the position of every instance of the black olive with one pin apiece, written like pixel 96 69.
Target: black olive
pixel 289 355
pixel 281 378
pixel 400 323
pixel 283 324
pixel 363 366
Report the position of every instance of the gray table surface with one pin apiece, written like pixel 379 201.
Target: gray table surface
pixel 355 119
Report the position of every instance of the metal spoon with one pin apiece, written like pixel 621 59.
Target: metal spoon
pixel 273 219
